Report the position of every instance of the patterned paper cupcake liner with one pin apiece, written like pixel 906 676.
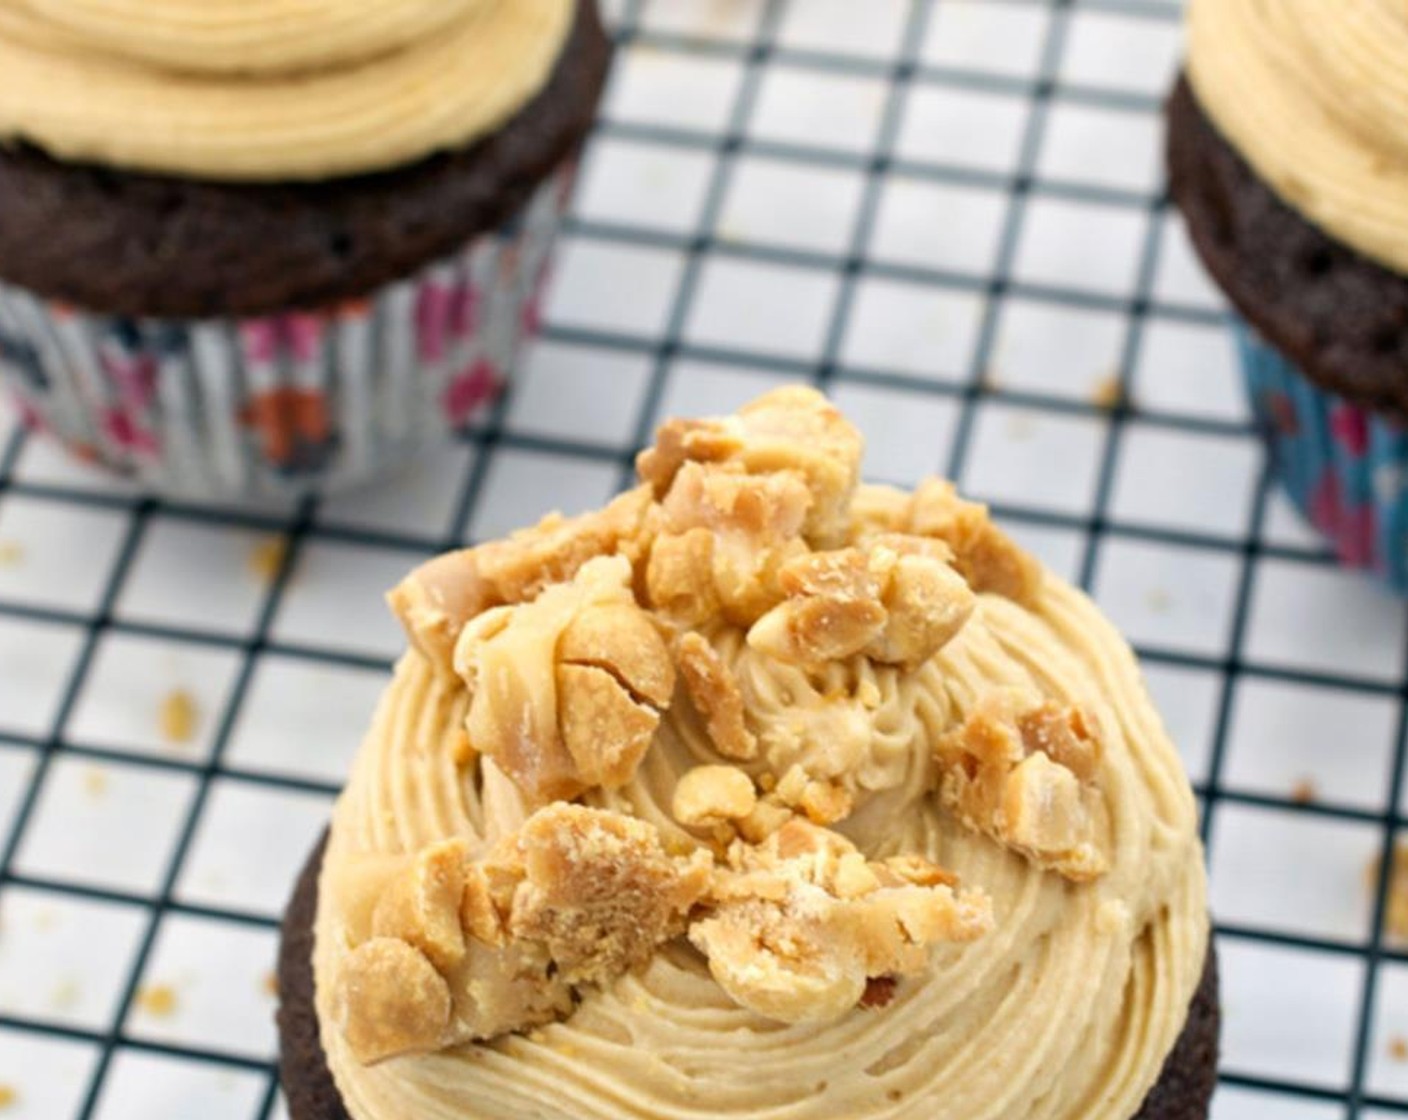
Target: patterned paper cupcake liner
pixel 1345 468
pixel 287 404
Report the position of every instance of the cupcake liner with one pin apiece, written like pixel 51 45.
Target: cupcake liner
pixel 287 404
pixel 1343 466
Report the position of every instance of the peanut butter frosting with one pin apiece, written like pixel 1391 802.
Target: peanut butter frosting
pixel 1314 94
pixel 759 793
pixel 269 89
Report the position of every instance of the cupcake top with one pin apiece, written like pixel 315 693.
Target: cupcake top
pixel 1314 94
pixel 758 793
pixel 265 90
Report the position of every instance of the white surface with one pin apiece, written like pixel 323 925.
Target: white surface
pixel 968 266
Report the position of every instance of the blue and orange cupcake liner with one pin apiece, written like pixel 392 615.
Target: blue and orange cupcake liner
pixel 1343 466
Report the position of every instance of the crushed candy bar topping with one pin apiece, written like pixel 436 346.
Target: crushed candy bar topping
pixel 803 922
pixel 437 599
pixel 983 554
pixel 1023 772
pixel 705 720
pixel 714 691
pixel 791 431
pixel 897 602
pixel 567 690
pixel 575 896
pixel 712 795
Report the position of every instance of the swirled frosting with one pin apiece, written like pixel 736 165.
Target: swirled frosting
pixel 269 89
pixel 828 695
pixel 1315 97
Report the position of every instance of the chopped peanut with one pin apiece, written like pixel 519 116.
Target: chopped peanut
pixel 567 691
pixel 895 601
pixel 987 558
pixel 825 803
pixel 791 429
pixel 1023 772
pixel 710 795
pixel 463 951
pixel 436 600
pixel 714 692
pixel 679 577
pixel 600 893
pixel 765 819
pixel 801 924
pixel 390 1000
pixel 422 907
pixel 753 523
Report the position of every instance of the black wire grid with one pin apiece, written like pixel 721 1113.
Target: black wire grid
pixel 1308 990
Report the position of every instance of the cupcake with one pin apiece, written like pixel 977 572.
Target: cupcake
pixel 269 247
pixel 757 793
pixel 1288 156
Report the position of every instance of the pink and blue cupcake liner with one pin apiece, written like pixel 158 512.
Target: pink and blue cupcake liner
pixel 289 404
pixel 1343 466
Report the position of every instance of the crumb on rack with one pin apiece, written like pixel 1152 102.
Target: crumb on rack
pixel 9 1096
pixel 65 995
pixel 1396 902
pixel 1305 792
pixel 158 1000
pixel 1109 393
pixel 266 558
pixel 178 717
pixel 95 781
pixel 270 984
pixel 11 554
pixel 1398 1048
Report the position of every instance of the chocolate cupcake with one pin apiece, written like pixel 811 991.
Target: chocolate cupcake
pixel 759 792
pixel 276 247
pixel 1288 156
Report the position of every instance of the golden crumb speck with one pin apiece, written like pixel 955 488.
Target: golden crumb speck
pixel 9 1096
pixel 65 995
pixel 1398 1048
pixel 266 558
pixel 11 554
pixel 1304 792
pixel 270 984
pixel 1108 393
pixel 158 1000
pixel 95 781
pixel 1396 902
pixel 178 716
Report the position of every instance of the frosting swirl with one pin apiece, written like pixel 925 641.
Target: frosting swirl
pixel 270 90
pixel 1066 1008
pixel 1315 97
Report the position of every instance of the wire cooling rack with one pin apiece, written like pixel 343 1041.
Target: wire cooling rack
pixel 946 212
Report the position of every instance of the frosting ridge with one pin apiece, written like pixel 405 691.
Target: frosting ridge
pixel 274 90
pixel 1315 96
pixel 828 826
